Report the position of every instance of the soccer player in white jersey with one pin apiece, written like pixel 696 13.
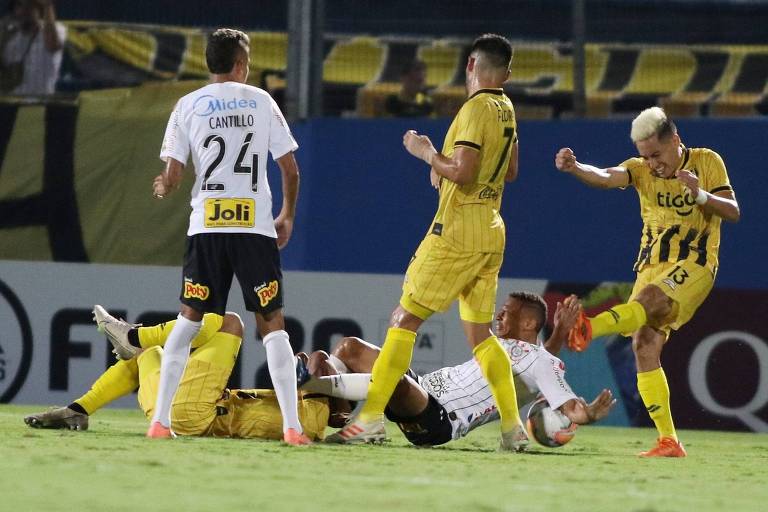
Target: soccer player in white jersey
pixel 229 128
pixel 448 403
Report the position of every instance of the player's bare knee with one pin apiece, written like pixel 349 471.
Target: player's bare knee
pixel 348 348
pixel 404 319
pixel 232 324
pixel 656 303
pixel 190 313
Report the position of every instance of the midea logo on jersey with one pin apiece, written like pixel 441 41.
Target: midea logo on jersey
pixel 207 105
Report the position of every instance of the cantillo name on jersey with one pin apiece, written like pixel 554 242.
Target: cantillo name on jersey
pixel 228 128
pixel 466 397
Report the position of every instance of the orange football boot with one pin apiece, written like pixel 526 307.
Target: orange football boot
pixel 158 431
pixel 580 334
pixel 665 447
pixel 295 438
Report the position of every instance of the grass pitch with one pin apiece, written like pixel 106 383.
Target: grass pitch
pixel 112 467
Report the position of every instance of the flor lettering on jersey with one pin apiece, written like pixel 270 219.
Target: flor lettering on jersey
pixel 226 213
pixel 266 292
pixel 207 104
pixel 195 290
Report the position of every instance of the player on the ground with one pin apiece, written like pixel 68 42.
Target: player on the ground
pixel 229 128
pixel 203 406
pixel 684 195
pixel 448 403
pixel 461 255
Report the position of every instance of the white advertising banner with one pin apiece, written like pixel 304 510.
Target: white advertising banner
pixel 50 350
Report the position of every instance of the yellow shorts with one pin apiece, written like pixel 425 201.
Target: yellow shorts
pixel 201 386
pixel 255 413
pixel 685 282
pixel 438 275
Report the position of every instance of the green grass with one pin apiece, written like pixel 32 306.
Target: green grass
pixel 111 467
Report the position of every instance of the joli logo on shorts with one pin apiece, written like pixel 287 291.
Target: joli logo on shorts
pixel 227 213
pixel 195 291
pixel 266 292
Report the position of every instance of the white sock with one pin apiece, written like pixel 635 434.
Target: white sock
pixel 349 386
pixel 175 355
pixel 338 364
pixel 282 369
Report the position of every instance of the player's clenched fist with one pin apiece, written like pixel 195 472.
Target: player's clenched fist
pixel 565 160
pixel 419 146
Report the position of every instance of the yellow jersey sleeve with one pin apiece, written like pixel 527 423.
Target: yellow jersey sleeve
pixel 637 171
pixel 471 125
pixel 716 178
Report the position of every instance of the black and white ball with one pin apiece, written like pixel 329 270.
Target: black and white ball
pixel 549 427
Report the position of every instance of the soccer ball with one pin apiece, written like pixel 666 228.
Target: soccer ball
pixel 549 427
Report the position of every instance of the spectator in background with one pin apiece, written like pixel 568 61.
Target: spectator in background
pixel 31 41
pixel 413 100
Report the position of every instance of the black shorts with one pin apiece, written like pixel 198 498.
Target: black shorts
pixel 210 261
pixel 430 428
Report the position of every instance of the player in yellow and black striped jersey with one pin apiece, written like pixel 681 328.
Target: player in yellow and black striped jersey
pixel 684 196
pixel 461 254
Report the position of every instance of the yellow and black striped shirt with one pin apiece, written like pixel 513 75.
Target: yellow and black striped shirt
pixel 674 227
pixel 468 216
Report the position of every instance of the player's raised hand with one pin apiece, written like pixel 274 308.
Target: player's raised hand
pixel 419 146
pixel 284 228
pixel 566 313
pixel 159 188
pixel 689 180
pixel 565 160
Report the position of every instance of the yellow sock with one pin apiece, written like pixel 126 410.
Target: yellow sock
pixel 621 319
pixel 155 336
pixel 390 366
pixel 654 389
pixel 120 379
pixel 497 370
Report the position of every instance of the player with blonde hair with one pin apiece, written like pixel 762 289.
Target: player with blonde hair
pixel 684 195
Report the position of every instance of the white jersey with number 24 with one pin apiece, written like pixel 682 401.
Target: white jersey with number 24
pixel 228 128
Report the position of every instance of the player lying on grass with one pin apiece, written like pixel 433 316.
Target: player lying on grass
pixel 448 403
pixel 202 406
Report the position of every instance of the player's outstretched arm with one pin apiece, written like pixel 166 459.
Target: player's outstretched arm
pixel 578 411
pixel 284 221
pixel 461 168
pixel 612 177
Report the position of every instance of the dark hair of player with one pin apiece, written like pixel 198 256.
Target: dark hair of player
pixel 534 301
pixel 223 48
pixel 496 48
pixel 666 129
